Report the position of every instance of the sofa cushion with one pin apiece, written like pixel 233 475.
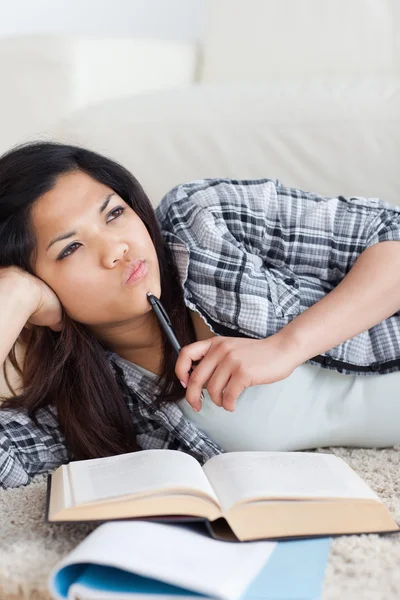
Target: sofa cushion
pixel 329 135
pixel 44 78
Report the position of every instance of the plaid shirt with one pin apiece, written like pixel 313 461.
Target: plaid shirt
pixel 252 255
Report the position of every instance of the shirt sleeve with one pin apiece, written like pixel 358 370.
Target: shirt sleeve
pixel 321 237
pixel 314 236
pixel 27 449
pixel 384 227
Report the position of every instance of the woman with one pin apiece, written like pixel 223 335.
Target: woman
pixel 243 268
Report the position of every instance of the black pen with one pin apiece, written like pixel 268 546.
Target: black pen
pixel 166 325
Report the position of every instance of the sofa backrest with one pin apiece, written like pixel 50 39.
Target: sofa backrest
pixel 330 136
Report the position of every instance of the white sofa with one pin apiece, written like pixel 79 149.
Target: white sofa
pixel 307 91
pixel 44 78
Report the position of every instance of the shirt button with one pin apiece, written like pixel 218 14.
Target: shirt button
pixel 290 281
pixel 328 360
pixel 375 366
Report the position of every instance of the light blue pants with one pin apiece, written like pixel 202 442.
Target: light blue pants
pixel 313 407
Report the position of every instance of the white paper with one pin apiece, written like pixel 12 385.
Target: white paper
pixel 82 592
pixel 237 476
pixel 141 472
pixel 173 554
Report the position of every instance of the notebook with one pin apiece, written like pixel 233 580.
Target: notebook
pixel 183 562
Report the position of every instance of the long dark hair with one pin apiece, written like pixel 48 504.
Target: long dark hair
pixel 70 369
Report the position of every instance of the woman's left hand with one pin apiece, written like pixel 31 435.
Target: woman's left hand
pixel 228 365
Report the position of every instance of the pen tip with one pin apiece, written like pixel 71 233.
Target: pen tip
pixel 150 298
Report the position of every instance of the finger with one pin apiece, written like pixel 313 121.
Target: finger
pixel 197 382
pixel 231 393
pixel 200 376
pixel 189 354
pixel 217 383
pixel 55 327
pixel 58 327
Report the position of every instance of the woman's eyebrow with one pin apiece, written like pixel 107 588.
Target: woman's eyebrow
pixel 65 236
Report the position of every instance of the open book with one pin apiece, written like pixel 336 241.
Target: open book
pixel 259 494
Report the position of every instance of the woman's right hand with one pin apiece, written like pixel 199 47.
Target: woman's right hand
pixel 43 305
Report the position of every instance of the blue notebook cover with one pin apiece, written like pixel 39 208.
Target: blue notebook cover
pixel 295 571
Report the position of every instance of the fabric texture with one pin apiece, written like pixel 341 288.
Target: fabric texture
pixel 252 255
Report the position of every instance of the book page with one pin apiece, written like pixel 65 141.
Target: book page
pixel 237 476
pixel 181 556
pixel 143 472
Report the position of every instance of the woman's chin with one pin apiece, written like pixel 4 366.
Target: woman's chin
pixel 128 305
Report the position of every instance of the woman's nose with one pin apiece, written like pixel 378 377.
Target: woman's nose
pixel 113 252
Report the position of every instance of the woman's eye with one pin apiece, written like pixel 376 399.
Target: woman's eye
pixel 68 251
pixel 115 213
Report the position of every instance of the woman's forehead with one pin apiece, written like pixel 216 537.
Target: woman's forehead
pixel 63 207
pixel 72 193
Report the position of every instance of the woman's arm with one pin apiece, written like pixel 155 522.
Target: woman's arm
pixel 23 298
pixel 16 306
pixel 367 295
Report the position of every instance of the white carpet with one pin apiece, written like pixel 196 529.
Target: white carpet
pixel 366 567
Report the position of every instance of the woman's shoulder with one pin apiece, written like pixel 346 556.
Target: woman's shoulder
pixel 213 193
pixel 181 196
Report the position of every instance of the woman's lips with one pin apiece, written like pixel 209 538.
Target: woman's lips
pixel 137 270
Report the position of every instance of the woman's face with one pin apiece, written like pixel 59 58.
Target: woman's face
pixel 92 269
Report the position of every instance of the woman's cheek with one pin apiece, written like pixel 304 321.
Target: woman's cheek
pixel 80 295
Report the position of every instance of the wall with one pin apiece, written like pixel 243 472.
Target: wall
pixel 167 19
